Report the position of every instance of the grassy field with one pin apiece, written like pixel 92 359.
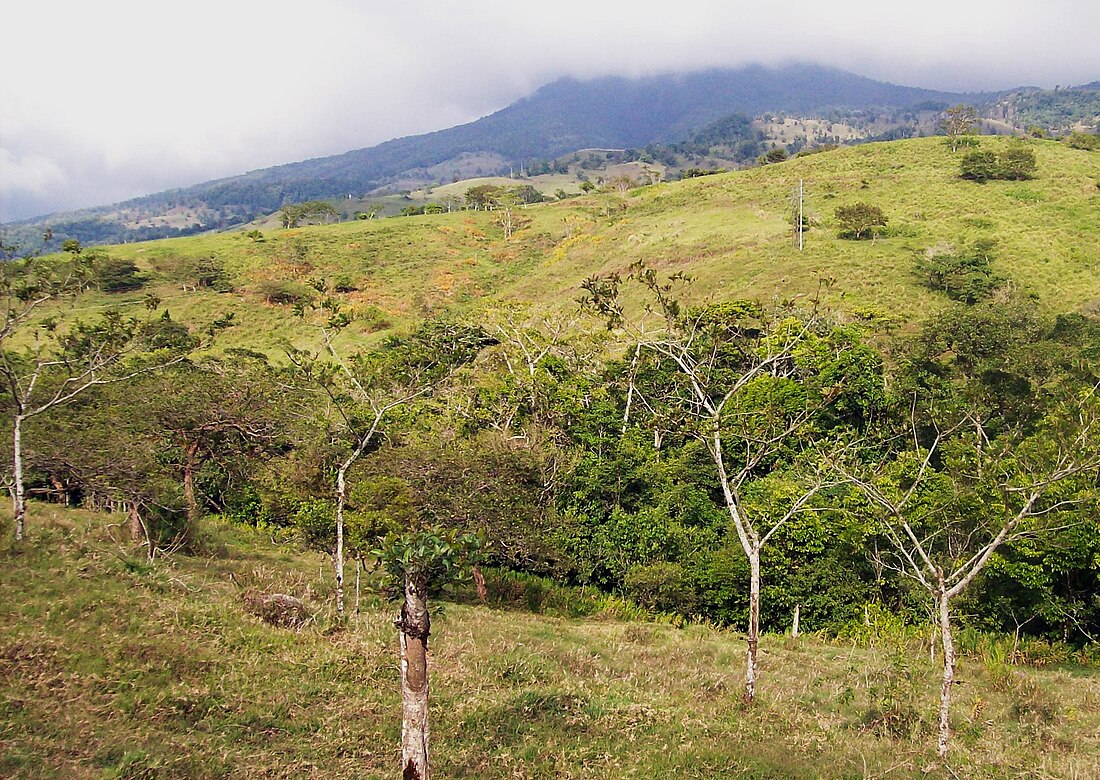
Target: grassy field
pixel 731 232
pixel 114 668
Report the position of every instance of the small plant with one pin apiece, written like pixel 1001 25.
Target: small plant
pixel 894 711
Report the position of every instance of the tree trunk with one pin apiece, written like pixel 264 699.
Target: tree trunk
pixel 414 626
pixel 19 493
pixel 60 489
pixel 943 605
pixel 338 557
pixel 189 483
pixel 794 623
pixel 136 532
pixel 754 626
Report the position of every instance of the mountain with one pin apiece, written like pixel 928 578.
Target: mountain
pixel 561 117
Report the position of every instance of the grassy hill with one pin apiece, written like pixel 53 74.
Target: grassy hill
pixel 561 117
pixel 114 668
pixel 732 232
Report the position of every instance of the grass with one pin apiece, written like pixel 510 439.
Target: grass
pixel 730 232
pixel 114 668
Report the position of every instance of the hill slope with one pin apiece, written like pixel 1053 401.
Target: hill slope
pixel 561 117
pixel 732 232
pixel 114 668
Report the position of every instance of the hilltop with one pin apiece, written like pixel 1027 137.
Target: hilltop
pixel 731 232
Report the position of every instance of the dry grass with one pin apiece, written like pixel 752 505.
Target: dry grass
pixel 110 667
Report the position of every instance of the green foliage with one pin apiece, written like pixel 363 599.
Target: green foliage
pixel 1015 163
pixel 860 220
pixel 968 278
pixel 295 214
pixel 117 275
pixel 433 559
pixel 283 292
pixel 166 333
pixel 1089 142
pixel 664 587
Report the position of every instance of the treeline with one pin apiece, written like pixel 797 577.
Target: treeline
pixel 599 467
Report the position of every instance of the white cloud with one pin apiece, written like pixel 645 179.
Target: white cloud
pixel 119 97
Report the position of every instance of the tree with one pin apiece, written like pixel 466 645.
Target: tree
pixel 859 220
pixel 751 383
pixel 958 121
pixel 292 214
pixel 417 564
pixel 952 498
pixel 364 387
pixel 62 364
pixel 219 411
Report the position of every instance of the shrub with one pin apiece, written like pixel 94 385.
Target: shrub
pixel 664 587
pixel 1089 142
pixel 282 291
pixel 1014 164
pixel 1017 163
pixel 978 166
pixel 859 220
pixel 117 275
pixel 968 278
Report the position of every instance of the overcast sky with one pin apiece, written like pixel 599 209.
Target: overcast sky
pixel 104 100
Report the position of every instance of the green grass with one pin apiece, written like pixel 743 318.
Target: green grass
pixel 110 667
pixel 730 232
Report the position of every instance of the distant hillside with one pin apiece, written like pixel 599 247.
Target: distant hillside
pixel 731 232
pixel 561 117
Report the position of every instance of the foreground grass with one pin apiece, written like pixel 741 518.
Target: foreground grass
pixel 112 668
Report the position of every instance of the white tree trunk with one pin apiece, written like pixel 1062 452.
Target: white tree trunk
pixel 794 622
pixel 19 493
pixel 753 636
pixel 338 557
pixel 415 627
pixel 943 605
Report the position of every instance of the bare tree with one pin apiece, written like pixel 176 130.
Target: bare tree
pixel 364 387
pixel 740 390
pixel 950 499
pixel 957 122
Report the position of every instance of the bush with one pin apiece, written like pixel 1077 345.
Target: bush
pixel 663 587
pixel 1014 164
pixel 859 220
pixel 1089 142
pixel 282 291
pixel 968 279
pixel 117 275
pixel 978 166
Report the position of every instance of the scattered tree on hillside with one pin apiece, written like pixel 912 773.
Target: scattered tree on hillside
pixel 63 363
pixel 956 493
pixel 294 213
pixel 364 387
pixel 750 383
pixel 859 220
pixel 957 122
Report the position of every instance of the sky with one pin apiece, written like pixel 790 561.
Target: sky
pixel 102 101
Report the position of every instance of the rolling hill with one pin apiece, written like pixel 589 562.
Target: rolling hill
pixel 731 232
pixel 561 117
